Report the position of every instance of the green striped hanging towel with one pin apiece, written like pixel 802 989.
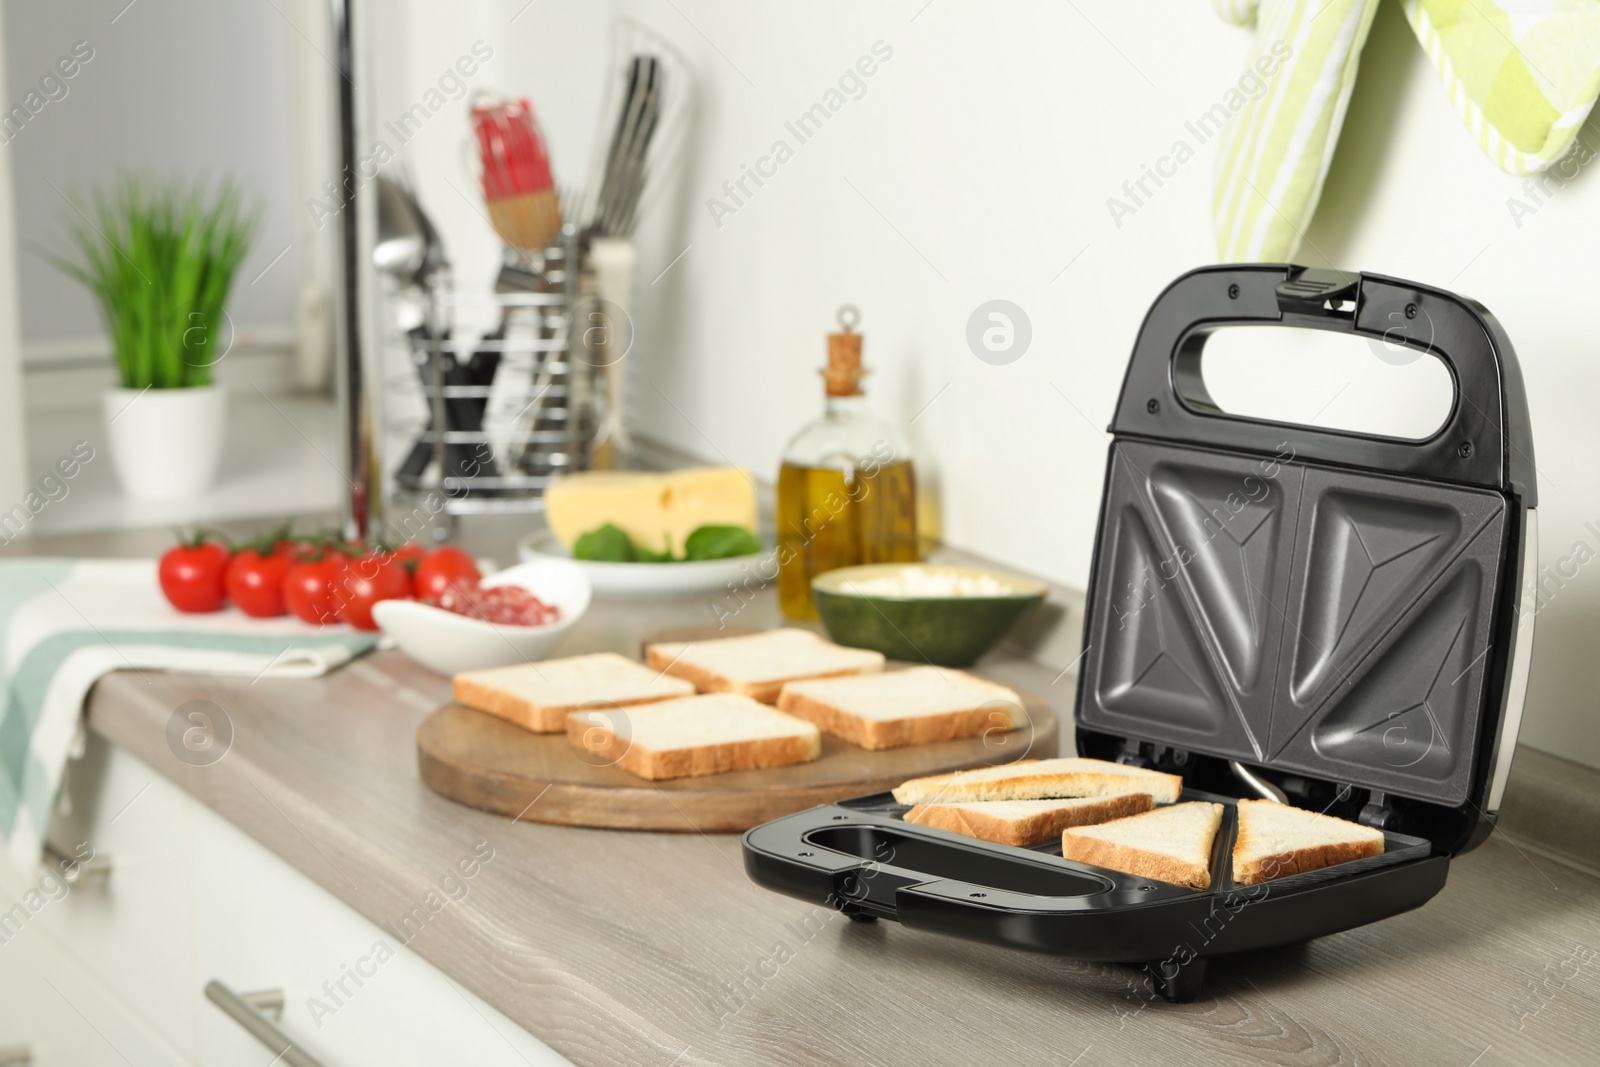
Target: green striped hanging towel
pixel 1522 74
pixel 1274 156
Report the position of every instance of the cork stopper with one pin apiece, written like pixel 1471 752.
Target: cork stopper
pixel 844 372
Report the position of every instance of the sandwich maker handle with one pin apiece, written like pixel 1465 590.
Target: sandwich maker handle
pixel 1485 441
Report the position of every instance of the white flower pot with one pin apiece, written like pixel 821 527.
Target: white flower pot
pixel 166 444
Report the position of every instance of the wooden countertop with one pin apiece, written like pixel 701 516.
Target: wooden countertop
pixel 654 948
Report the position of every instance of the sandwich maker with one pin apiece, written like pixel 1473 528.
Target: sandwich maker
pixel 1335 620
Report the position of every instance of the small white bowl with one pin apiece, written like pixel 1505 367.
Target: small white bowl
pixel 450 643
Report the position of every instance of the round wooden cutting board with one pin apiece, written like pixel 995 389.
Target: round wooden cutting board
pixel 483 761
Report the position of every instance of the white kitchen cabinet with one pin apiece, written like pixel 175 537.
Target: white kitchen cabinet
pixel 404 1012
pixel 65 1015
pixel 189 899
pixel 134 930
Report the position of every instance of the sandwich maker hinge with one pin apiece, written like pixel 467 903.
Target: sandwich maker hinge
pixel 1377 812
pixel 1150 755
pixel 1167 756
pixel 1131 753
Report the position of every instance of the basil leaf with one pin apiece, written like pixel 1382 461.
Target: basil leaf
pixel 607 544
pixel 664 556
pixel 720 542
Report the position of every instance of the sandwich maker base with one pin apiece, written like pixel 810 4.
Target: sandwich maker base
pixel 869 864
pixel 1328 619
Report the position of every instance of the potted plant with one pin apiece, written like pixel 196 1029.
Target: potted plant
pixel 160 260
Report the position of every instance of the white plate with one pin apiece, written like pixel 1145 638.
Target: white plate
pixel 657 579
pixel 451 643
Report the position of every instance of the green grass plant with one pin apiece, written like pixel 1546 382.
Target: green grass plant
pixel 160 259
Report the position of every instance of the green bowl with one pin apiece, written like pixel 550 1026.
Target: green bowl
pixel 949 631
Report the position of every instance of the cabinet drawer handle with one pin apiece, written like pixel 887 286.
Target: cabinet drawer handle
pixel 75 872
pixel 250 1010
pixel 16 1055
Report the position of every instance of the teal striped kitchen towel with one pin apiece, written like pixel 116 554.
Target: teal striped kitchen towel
pixel 65 623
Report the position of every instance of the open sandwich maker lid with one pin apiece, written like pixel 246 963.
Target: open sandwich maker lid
pixel 1335 608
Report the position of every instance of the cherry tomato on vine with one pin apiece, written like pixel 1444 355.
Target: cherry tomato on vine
pixel 192 573
pixel 363 582
pixel 443 569
pixel 254 582
pixel 296 549
pixel 308 588
pixel 409 555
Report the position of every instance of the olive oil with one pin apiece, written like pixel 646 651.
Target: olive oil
pixel 830 517
pixel 847 492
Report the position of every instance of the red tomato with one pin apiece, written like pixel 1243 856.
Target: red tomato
pixel 296 549
pixel 443 568
pixel 363 582
pixel 192 575
pixel 255 582
pixel 308 589
pixel 409 555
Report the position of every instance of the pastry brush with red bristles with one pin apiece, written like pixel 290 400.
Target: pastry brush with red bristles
pixel 517 184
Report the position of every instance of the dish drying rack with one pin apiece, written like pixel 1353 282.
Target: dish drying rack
pixel 501 442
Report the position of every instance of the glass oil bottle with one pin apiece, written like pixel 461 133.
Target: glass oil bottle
pixel 846 490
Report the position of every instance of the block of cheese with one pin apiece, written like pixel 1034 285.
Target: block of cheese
pixel 653 508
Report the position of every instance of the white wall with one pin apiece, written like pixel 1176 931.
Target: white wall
pixel 977 166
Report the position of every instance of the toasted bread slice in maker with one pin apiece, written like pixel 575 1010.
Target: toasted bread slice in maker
pixel 1026 822
pixel 1277 840
pixel 1041 780
pixel 1169 844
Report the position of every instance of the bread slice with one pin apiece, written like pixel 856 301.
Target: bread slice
pixel 910 707
pixel 539 696
pixel 1168 844
pixel 1277 840
pixel 694 736
pixel 1041 779
pixel 758 665
pixel 1026 822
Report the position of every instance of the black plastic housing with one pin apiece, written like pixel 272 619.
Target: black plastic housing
pixel 859 857
pixel 1333 609
pixel 1346 633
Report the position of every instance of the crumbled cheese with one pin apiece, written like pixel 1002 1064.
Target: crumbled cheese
pixel 931 582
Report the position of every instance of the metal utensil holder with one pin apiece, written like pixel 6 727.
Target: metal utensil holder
pixel 555 419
